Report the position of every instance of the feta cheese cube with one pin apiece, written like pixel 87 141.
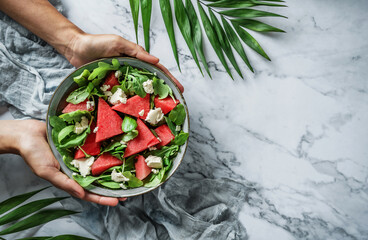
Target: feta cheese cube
pixel 152 148
pixel 90 105
pixel 83 165
pixel 148 87
pixel 154 161
pixel 118 97
pixel 81 126
pixel 122 186
pixel 154 116
pixel 108 93
pixel 95 130
pixel 118 177
pixel 141 113
pixel 155 171
pixel 118 74
pixel 178 128
pixel 104 88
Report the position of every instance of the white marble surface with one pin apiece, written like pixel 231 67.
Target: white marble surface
pixel 296 129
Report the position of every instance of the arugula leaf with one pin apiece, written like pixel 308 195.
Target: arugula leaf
pixel 129 136
pixel 138 85
pixel 85 181
pixel 65 132
pixel 167 151
pixel 160 88
pixel 80 94
pixel 171 125
pixel 82 79
pixel 129 124
pixel 75 140
pixel 180 139
pixel 102 69
pixel 177 115
pixel 110 184
pixel 57 125
pixel 67 158
pixel 75 116
pixel 157 179
pixel 133 180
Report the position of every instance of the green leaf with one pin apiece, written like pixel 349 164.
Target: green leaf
pixel 68 156
pixel 168 20
pixel 27 209
pixel 255 25
pixel 213 38
pixel 75 116
pixel 110 184
pixel 248 13
pixel 138 87
pixel 224 42
pixel 75 140
pixel 166 151
pixel 185 29
pixel 16 200
pixel 146 20
pixel 250 41
pixel 57 123
pixel 197 34
pixel 78 95
pixel 129 124
pixel 160 88
pixel 85 181
pixel 134 6
pixel 133 180
pixel 242 4
pixel 180 139
pixel 129 136
pixel 177 115
pixel 157 179
pixel 234 40
pixel 101 71
pixel 36 219
pixel 65 132
pixel 171 125
pixel 82 79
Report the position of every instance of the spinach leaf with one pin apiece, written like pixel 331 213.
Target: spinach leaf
pixel 110 184
pixel 102 69
pixel 68 156
pixel 85 181
pixel 129 124
pixel 138 86
pixel 57 125
pixel 65 132
pixel 157 179
pixel 171 125
pixel 133 180
pixel 160 88
pixel 128 164
pixel 177 115
pixel 75 116
pixel 82 79
pixel 75 140
pixel 80 94
pixel 129 136
pixel 180 139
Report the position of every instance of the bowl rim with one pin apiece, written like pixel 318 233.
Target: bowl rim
pixel 49 141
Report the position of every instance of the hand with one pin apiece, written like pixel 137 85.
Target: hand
pixel 35 150
pixel 84 48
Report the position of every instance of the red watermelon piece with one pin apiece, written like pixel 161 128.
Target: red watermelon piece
pixel 141 168
pixel 164 133
pixel 111 80
pixel 134 105
pixel 144 140
pixel 90 146
pixel 74 107
pixel 166 104
pixel 108 122
pixel 104 162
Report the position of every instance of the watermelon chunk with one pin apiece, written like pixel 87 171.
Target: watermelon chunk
pixel 74 107
pixel 144 140
pixel 111 81
pixel 90 146
pixel 141 168
pixel 108 122
pixel 164 133
pixel 166 104
pixel 134 105
pixel 104 162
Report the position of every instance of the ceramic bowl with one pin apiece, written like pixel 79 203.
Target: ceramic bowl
pixel 58 102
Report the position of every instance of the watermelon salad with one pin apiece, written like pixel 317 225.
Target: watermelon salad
pixel 120 129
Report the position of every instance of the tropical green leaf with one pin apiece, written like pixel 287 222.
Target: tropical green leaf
pixel 168 20
pixel 185 29
pixel 242 4
pixel 146 8
pixel 248 13
pixel 27 209
pixel 15 201
pixel 134 6
pixel 197 34
pixel 255 25
pixel 224 41
pixel 213 38
pixel 250 41
pixel 234 40
pixel 36 219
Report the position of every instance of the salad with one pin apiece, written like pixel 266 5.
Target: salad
pixel 120 129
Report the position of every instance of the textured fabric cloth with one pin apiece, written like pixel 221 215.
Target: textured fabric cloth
pixel 193 204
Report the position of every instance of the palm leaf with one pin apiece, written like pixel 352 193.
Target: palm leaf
pixel 15 201
pixel 224 41
pixel 197 33
pixel 234 40
pixel 168 20
pixel 213 38
pixel 134 6
pixel 146 8
pixel 242 4
pixel 248 13
pixel 185 29
pixel 255 25
pixel 36 219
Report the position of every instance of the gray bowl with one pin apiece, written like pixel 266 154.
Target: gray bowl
pixel 58 102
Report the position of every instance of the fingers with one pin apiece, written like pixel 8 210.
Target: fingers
pixel 108 201
pixel 134 50
pixel 164 69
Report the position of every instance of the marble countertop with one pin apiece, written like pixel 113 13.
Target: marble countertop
pixel 295 131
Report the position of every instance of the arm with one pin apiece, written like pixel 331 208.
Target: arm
pixel 41 18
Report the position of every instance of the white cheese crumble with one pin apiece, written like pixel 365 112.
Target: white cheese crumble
pixel 104 88
pixel 122 142
pixel 154 116
pixel 81 126
pixel 122 186
pixel 141 113
pixel 118 97
pixel 152 148
pixel 118 177
pixel 148 87
pixel 108 93
pixel 154 161
pixel 178 128
pixel 155 171
pixel 84 165
pixel 90 105
pixel 159 139
pixel 118 74
pixel 95 130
